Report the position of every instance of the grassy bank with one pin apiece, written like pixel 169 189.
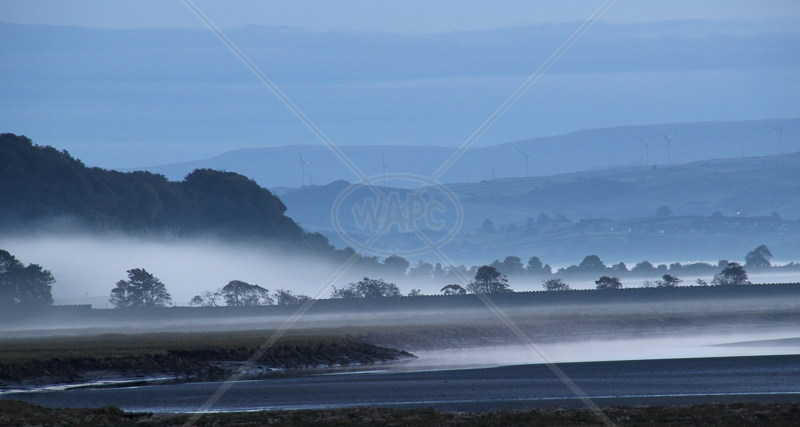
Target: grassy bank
pixel 16 413
pixel 191 354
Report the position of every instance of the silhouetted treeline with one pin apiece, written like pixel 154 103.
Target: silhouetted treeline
pixel 41 183
pixel 592 265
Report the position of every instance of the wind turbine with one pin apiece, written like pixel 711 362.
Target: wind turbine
pixel 669 150
pixel 383 164
pixel 526 161
pixel 780 132
pixel 303 164
pixel 647 150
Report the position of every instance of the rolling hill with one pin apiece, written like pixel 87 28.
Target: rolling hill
pixel 723 207
pixel 44 187
pixel 572 152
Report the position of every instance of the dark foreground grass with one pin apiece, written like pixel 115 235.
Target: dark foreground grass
pixel 16 413
pixel 189 354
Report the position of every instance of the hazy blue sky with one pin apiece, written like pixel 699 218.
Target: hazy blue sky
pixel 134 83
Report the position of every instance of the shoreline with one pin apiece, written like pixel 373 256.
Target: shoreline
pixel 47 363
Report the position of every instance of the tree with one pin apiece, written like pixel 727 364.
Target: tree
pixel 513 265
pixel 207 299
pixel 438 270
pixel 555 284
pixel 396 265
pixel 415 293
pixel 732 274
pixel 423 270
pixel 456 271
pixel 29 285
pixel 36 286
pixel 663 211
pixel 701 282
pixel 242 294
pixel 668 281
pixel 488 281
pixel 453 290
pixel 487 226
pixel 606 282
pixel 367 288
pixel 592 263
pixel 10 269
pixel 286 297
pixel 535 265
pixel 758 257
pixel 142 289
pixel 620 267
pixel 643 267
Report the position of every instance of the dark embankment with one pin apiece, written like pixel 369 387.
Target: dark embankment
pixel 16 413
pixel 61 359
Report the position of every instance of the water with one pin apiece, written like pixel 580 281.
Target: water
pixel 661 381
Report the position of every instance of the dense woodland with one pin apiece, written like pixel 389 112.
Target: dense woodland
pixel 42 184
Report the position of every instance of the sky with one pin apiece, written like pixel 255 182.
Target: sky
pixel 140 83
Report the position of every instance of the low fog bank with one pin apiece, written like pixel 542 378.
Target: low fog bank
pixel 87 267
pixel 594 350
pixel 551 316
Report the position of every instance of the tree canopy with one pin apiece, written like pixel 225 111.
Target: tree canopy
pixel 758 257
pixel 40 182
pixel 488 281
pixel 453 289
pixel 555 284
pixel 396 265
pixel 242 294
pixel 287 297
pixel 592 263
pixel 142 289
pixel 21 285
pixel 668 281
pixel 733 274
pixel 605 282
pixel 367 288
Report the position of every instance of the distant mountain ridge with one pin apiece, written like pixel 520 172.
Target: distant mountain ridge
pixel 571 152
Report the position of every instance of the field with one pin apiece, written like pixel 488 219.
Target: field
pixel 15 413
